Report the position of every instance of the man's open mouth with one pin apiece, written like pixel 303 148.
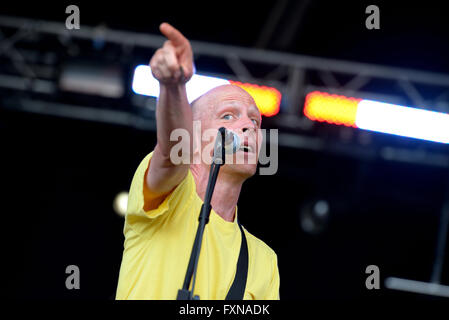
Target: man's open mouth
pixel 246 149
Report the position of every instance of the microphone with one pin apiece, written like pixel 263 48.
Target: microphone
pixel 231 143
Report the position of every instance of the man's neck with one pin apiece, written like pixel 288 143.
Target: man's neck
pixel 226 192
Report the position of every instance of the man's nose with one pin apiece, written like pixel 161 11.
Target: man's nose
pixel 250 129
pixel 248 125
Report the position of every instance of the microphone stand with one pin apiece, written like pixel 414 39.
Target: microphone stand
pixel 217 161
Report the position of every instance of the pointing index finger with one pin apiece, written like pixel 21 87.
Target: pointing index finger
pixel 172 34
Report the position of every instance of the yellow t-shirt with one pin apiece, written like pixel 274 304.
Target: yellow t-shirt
pixel 158 244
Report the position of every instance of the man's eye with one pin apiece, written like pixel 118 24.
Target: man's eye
pixel 227 117
pixel 255 122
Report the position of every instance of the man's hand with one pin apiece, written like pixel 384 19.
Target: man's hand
pixel 173 63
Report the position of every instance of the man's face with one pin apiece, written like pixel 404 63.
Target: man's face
pixel 233 108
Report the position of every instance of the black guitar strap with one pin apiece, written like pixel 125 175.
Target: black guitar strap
pixel 237 290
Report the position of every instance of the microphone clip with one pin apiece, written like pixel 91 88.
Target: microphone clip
pixel 219 148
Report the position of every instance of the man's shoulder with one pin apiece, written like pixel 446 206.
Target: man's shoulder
pixel 259 246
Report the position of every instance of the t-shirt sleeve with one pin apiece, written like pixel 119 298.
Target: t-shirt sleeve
pixel 273 287
pixel 137 217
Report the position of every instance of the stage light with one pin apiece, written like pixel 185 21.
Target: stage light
pixel 378 116
pixel 92 78
pixel 120 203
pixel 314 216
pixel 331 108
pixel 403 121
pixel 267 98
pixel 144 83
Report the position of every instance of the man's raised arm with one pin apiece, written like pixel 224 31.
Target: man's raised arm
pixel 172 66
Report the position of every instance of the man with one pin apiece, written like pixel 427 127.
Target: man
pixel 165 198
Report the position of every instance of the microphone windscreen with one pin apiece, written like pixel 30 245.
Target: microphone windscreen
pixel 232 142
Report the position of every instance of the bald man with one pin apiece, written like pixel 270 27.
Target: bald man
pixel 165 198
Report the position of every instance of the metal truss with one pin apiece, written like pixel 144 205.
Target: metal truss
pixel 293 75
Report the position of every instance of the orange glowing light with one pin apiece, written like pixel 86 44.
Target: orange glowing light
pixel 267 99
pixel 331 108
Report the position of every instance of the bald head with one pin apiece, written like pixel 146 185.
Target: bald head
pixel 205 104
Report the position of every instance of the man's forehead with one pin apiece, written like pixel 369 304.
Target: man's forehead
pixel 228 92
pixel 249 104
pixel 231 95
pixel 227 96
